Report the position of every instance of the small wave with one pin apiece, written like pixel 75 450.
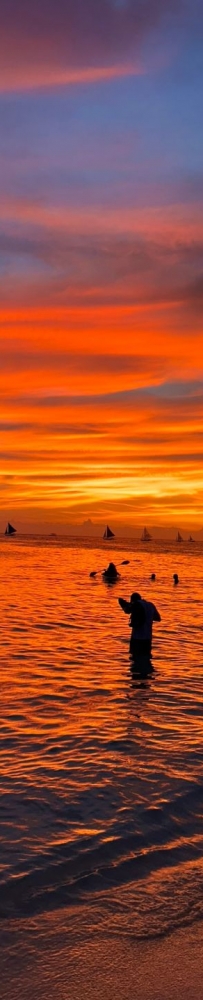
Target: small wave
pixel 65 878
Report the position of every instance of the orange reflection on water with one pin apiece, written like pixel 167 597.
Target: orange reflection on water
pixel 101 761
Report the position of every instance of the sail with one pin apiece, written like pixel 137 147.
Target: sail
pixel 190 539
pixel 146 537
pixel 9 529
pixel 179 537
pixel 108 533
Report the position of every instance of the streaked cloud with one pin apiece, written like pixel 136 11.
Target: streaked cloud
pixel 28 79
pixel 46 44
pixel 134 267
pixel 101 261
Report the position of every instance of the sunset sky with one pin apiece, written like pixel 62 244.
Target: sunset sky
pixel 101 254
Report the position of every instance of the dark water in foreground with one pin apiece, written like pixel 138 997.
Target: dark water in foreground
pixel 101 769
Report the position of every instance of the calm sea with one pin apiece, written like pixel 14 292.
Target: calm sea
pixel 101 766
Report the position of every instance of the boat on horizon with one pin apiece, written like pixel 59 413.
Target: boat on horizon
pixel 190 539
pixel 108 533
pixel 9 529
pixel 179 537
pixel 146 537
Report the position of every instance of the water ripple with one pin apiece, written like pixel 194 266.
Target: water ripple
pixel 101 766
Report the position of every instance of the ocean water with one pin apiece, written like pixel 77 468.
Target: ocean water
pixel 101 764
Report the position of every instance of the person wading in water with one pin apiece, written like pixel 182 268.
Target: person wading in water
pixel 142 615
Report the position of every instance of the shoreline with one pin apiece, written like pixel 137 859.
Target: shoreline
pixel 39 961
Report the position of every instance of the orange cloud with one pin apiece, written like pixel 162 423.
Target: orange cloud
pixel 97 441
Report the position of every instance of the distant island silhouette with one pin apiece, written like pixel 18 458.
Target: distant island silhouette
pixel 97 529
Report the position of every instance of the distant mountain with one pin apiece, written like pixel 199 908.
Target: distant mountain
pixel 87 528
pixel 88 525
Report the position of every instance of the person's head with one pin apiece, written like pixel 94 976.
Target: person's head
pixel 138 611
pixel 112 568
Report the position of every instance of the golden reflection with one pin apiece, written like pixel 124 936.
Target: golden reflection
pixel 100 757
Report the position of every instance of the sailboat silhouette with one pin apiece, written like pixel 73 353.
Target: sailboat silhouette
pixel 9 529
pixel 179 537
pixel 146 537
pixel 108 533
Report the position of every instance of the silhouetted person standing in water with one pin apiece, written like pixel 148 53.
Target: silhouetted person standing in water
pixel 142 615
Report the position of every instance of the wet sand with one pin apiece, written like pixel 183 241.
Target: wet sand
pixel 38 962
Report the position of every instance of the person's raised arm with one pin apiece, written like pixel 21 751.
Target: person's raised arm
pixel 156 615
pixel 125 605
